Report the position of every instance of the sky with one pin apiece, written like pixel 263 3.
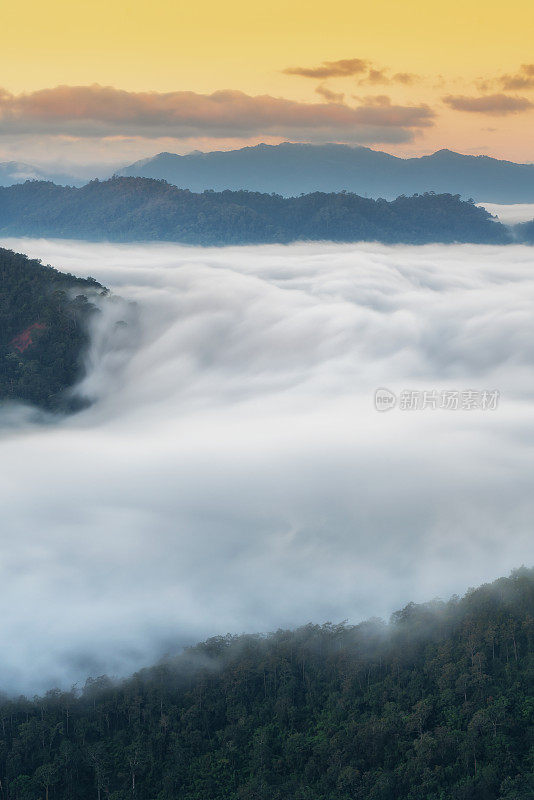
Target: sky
pixel 105 83
pixel 233 474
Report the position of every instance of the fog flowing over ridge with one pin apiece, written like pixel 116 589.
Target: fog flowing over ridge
pixel 510 214
pixel 233 473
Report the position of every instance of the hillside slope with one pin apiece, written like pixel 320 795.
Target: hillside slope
pixel 290 169
pixel 137 209
pixel 43 330
pixel 436 706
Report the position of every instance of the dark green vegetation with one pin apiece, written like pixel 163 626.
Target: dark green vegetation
pixel 141 209
pixel 43 330
pixel 436 706
pixel 294 168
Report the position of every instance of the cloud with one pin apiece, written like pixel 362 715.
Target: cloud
pixel 382 76
pixel 96 111
pixel 331 69
pixel 376 76
pixel 495 104
pixel 406 78
pixel 373 100
pixel 329 95
pixel 380 110
pixel 510 214
pixel 348 67
pixel 234 475
pixel 524 79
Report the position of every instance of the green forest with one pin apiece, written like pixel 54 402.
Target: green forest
pixel 142 209
pixel 44 316
pixel 435 705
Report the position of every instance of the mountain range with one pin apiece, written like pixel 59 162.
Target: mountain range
pixel 292 169
pixel 144 209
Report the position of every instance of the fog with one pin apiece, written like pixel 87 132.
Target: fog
pixel 233 474
pixel 510 214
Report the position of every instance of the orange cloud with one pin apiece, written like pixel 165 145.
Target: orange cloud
pixel 329 95
pixel 524 79
pixel 331 69
pixel 382 76
pixel 406 78
pixel 373 99
pixel 496 104
pixel 97 111
pixel 347 67
pixel 377 76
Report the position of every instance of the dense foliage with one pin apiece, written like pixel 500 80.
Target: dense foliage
pixel 43 329
pixel 136 209
pixel 438 705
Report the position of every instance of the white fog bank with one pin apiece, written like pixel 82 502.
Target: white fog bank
pixel 233 474
pixel 510 214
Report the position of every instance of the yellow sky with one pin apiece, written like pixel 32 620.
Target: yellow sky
pixel 206 46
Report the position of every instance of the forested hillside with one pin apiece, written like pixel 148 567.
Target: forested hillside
pixel 43 330
pixel 437 705
pixel 137 209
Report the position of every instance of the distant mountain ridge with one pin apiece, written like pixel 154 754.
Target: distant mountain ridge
pixel 144 209
pixel 292 169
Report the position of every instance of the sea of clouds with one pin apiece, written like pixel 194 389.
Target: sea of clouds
pixel 233 473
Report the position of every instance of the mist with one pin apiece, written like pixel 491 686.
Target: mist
pixel 511 214
pixel 233 474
